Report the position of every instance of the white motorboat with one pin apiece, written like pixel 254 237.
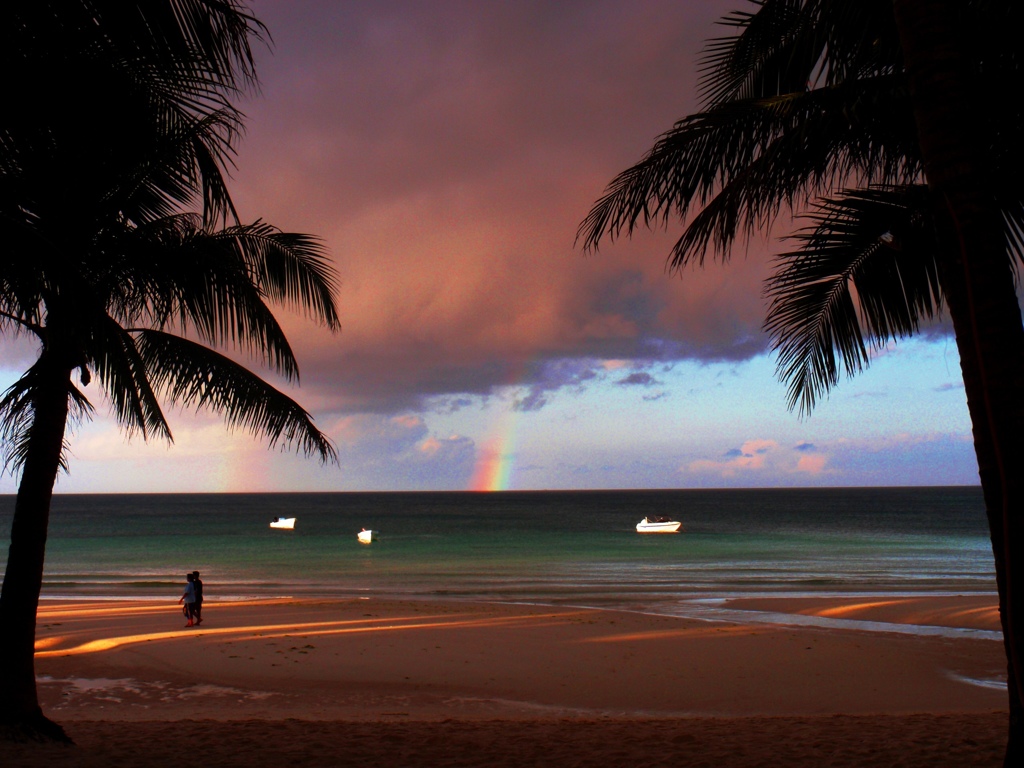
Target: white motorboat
pixel 658 525
pixel 283 522
pixel 365 536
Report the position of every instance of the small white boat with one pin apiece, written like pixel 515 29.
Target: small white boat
pixel 283 522
pixel 365 536
pixel 658 525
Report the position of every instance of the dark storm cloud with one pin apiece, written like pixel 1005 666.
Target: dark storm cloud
pixel 638 379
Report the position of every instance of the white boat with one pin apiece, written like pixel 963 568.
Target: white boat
pixel 658 525
pixel 283 522
pixel 365 536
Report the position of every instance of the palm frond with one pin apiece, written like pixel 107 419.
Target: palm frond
pixel 292 269
pixel 787 46
pixel 192 375
pixel 181 274
pixel 221 29
pixel 865 274
pixel 1013 216
pixel 186 163
pixel 122 374
pixel 746 161
pixel 211 37
pixel 760 59
pixel 21 282
pixel 17 416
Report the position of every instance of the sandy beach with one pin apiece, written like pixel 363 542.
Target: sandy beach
pixel 391 682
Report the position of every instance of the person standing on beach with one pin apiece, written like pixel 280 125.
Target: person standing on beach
pixel 197 586
pixel 189 598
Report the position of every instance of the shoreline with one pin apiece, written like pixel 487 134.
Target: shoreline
pixel 941 614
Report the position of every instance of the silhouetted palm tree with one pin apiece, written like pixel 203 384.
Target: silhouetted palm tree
pixel 107 264
pixel 900 113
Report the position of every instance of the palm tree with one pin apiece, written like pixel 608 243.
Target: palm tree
pixel 898 116
pixel 111 268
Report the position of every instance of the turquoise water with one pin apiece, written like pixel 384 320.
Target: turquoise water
pixel 552 547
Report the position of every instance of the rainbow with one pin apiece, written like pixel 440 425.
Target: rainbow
pixel 493 471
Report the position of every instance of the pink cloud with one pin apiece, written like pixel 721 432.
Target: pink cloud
pixel 446 154
pixel 762 456
pixel 813 465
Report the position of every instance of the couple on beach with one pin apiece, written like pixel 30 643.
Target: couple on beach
pixel 193 599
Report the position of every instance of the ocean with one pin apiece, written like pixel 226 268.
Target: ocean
pixel 559 548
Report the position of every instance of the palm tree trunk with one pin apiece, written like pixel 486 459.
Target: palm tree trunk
pixel 19 705
pixel 978 288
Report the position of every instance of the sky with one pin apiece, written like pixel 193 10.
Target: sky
pixel 445 153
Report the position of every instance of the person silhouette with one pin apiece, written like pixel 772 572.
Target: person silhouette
pixel 197 585
pixel 189 598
